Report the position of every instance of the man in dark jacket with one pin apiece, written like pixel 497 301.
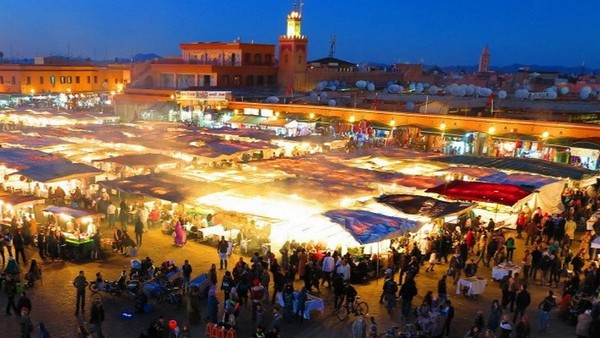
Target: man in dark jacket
pixel 24 302
pixel 522 301
pixel 19 245
pixel 97 317
pixel 407 292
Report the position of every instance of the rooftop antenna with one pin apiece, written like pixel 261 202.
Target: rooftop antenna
pixel 332 46
pixel 301 5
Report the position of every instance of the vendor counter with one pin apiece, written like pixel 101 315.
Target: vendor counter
pixel 78 250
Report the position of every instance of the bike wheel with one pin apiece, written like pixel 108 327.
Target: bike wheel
pixel 93 287
pixel 343 313
pixel 362 308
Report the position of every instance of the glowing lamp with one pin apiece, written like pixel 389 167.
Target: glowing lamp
pixel 492 130
pixel 545 134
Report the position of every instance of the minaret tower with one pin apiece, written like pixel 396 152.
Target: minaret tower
pixel 292 52
pixel 484 60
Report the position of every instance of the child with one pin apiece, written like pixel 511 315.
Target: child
pixel 432 261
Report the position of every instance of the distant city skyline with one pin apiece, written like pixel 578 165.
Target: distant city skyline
pixel 386 31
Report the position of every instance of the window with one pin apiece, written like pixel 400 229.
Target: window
pixel 63 79
pixel 286 58
pixel 28 80
pixel 246 59
pixel 116 81
pixel 52 79
pixel 89 79
pixel 206 80
pixel 260 80
pixel 270 80
pixel 257 59
pixel 77 79
pixel 268 59
pixel 299 59
pixel 250 80
pixel 224 80
pixel 95 79
pixel 41 80
pixel 1 79
pixel 69 79
pixel 237 80
pixel 13 80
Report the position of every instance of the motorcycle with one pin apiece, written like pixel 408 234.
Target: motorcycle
pixel 114 288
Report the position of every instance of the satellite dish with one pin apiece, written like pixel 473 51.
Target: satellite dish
pixel 585 92
pixel 412 87
pixel 371 87
pixel 564 90
pixel 324 95
pixel 272 99
pixel 433 90
pixel 331 103
pixel 361 84
pixel 313 94
pixel 502 94
pixel 410 105
pixel 321 85
pixel 394 88
pixel 470 89
pixel 551 95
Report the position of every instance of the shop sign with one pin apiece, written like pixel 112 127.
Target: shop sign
pixel 203 95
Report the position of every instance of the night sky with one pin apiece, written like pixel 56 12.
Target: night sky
pixel 430 31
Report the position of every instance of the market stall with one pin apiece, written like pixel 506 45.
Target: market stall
pixel 312 304
pixel 471 286
pixel 77 226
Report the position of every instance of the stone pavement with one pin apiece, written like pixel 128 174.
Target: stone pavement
pixel 54 301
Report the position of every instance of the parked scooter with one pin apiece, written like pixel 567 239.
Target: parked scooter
pixel 114 288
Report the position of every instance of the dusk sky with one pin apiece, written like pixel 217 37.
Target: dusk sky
pixel 431 31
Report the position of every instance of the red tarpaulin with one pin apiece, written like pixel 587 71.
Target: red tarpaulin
pixel 504 194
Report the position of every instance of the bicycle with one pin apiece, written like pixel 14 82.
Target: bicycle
pixel 358 308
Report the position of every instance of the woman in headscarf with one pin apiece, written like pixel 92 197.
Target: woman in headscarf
pixel 180 235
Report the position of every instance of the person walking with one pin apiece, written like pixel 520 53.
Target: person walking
pixel 139 231
pixel 186 270
pixel 97 317
pixel 359 327
pixel 545 307
pixel 19 245
pixel 8 242
pixel 41 243
pixel 494 317
pixel 24 302
pixel 523 328
pixel 522 301
pixel 222 250
pixel 111 214
pixel 123 214
pixel 80 283
pixel 10 288
pixel 26 324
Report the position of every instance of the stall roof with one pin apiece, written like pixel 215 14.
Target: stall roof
pixel 54 172
pixel 247 119
pixel 163 186
pixel 75 213
pixel 504 194
pixel 368 227
pixel 530 165
pixel 17 158
pixel 17 200
pixel 473 172
pixel 423 205
pixel 140 160
pixel 522 180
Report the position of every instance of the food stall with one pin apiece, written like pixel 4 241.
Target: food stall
pixel 17 206
pixel 76 226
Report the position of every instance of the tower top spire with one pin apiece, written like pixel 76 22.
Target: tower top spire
pixel 294 22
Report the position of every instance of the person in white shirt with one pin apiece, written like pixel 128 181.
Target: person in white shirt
pixel 344 269
pixel 111 214
pixel 328 268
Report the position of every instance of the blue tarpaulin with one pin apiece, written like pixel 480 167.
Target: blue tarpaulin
pixel 368 227
pixel 523 180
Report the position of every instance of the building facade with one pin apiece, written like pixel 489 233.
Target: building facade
pixel 62 78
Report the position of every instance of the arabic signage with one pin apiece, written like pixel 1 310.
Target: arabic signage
pixel 203 95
